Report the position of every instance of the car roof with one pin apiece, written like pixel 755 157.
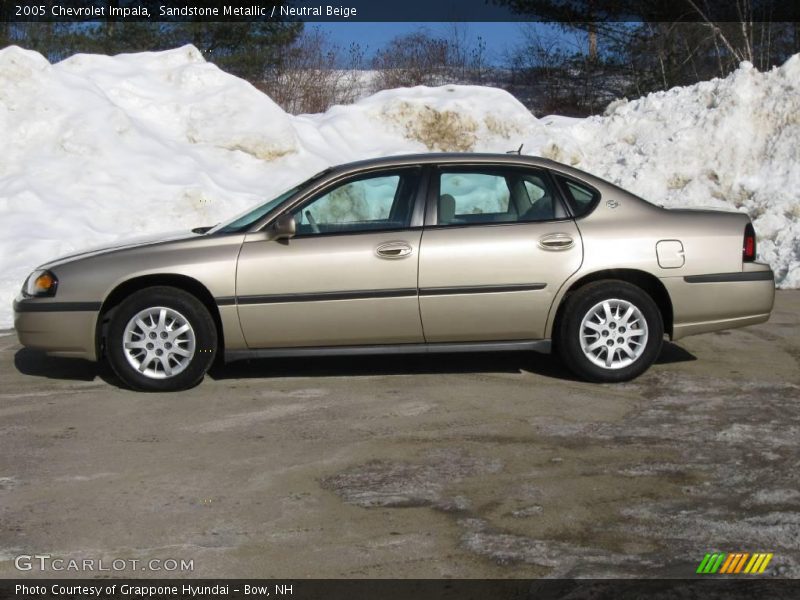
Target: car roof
pixel 447 157
pixel 461 158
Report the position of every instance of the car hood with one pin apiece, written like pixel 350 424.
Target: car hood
pixel 122 244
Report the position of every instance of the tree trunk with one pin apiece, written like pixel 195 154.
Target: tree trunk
pixel 592 43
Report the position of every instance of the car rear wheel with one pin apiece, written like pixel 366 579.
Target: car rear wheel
pixel 161 339
pixel 610 331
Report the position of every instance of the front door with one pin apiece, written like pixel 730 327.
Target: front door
pixel 498 248
pixel 349 275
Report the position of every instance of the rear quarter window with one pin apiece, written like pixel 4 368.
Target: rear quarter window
pixel 581 198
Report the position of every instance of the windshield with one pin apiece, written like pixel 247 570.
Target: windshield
pixel 252 215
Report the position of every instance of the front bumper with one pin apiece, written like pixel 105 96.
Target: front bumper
pixel 703 303
pixel 58 328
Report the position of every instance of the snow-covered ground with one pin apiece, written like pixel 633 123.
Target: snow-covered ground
pixel 96 148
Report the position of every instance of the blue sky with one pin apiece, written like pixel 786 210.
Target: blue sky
pixel 498 37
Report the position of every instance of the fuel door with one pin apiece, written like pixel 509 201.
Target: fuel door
pixel 670 254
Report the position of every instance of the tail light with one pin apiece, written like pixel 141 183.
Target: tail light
pixel 749 247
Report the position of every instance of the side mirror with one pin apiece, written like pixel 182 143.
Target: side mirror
pixel 284 227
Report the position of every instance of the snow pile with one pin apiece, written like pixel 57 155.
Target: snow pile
pixel 729 143
pixel 96 148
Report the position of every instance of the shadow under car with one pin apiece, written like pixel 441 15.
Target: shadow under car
pixel 37 364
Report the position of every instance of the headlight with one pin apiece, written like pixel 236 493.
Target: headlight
pixel 40 283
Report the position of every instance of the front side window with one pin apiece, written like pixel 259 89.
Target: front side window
pixel 496 196
pixel 369 203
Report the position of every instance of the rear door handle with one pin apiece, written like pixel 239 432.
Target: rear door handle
pixel 556 241
pixel 394 250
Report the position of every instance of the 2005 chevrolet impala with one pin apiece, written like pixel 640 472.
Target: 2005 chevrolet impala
pixel 427 253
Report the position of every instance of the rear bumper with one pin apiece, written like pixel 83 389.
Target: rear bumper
pixel 58 328
pixel 714 301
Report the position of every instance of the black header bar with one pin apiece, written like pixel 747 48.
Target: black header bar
pixel 705 587
pixel 311 11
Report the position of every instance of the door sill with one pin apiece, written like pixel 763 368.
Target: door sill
pixel 542 346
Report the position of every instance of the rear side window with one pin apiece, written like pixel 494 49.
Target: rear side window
pixel 476 193
pixel 487 196
pixel 581 198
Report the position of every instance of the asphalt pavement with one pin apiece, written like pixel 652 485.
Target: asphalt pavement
pixel 484 465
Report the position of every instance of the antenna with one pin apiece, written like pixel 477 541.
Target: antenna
pixel 517 151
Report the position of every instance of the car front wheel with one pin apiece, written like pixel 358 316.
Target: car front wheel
pixel 161 339
pixel 610 331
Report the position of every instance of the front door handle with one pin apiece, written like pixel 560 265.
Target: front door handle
pixel 394 250
pixel 556 241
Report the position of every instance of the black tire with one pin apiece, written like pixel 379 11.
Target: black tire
pixel 579 304
pixel 203 332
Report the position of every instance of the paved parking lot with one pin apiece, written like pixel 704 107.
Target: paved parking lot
pixel 489 465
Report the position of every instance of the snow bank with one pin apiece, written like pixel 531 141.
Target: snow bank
pixel 728 143
pixel 95 148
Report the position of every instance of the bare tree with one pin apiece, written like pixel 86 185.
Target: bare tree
pixel 314 74
pixel 413 59
pixel 421 58
pixel 742 48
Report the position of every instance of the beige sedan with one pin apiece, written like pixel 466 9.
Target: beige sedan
pixel 425 253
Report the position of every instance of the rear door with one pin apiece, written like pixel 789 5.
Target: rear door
pixel 497 246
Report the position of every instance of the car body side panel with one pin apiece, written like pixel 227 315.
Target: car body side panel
pixel 211 261
pixel 68 334
pixel 703 306
pixel 467 278
pixel 231 327
pixel 328 290
pixel 623 233
pixel 627 237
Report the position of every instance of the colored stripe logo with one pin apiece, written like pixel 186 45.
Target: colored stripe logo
pixel 734 563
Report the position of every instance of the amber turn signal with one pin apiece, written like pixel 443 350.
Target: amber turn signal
pixel 44 282
pixel 41 283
